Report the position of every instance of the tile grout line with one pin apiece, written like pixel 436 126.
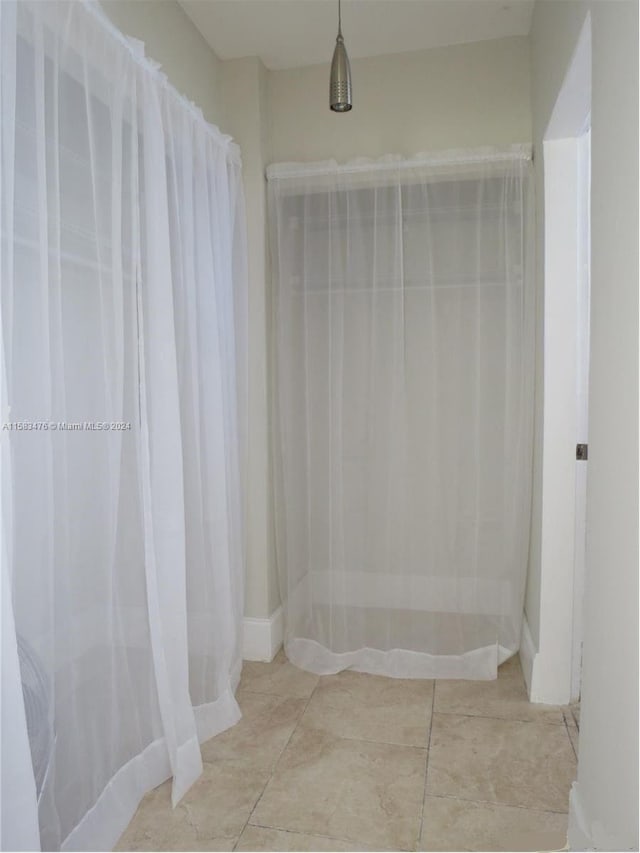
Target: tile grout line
pixel 275 764
pixel 444 713
pixel 365 739
pixel 314 834
pixel 501 719
pixel 426 763
pixel 497 803
pixel 566 726
pixel 575 719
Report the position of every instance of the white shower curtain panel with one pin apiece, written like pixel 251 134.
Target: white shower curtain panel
pixel 123 288
pixel 404 362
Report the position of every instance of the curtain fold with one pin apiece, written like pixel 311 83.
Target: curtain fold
pixel 403 318
pixel 123 276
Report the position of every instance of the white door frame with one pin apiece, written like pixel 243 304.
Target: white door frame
pixel 582 413
pixel 555 668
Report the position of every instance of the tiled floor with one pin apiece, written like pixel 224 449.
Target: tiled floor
pixel 360 762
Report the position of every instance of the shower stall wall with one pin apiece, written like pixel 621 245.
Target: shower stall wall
pixel 404 364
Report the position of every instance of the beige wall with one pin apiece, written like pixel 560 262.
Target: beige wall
pixel 604 807
pixel 172 40
pixel 244 85
pixel 608 769
pixel 453 97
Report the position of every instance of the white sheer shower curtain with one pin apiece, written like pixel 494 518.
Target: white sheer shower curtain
pixel 123 279
pixel 403 329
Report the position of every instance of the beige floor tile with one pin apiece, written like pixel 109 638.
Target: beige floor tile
pixel 461 825
pixel 260 838
pixel 501 761
pixel 350 789
pixel 279 677
pixel 178 838
pixel 504 698
pixel 371 707
pixel 211 816
pixel 266 725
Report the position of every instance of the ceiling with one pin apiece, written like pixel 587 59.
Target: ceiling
pixel 292 33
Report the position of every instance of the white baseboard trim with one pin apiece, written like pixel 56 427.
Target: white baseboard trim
pixel 585 834
pixel 528 654
pixel 261 638
pixel 579 836
pixel 545 683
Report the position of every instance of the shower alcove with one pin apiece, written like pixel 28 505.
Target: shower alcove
pixel 403 405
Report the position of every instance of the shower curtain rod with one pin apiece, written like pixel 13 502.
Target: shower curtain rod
pixel 391 163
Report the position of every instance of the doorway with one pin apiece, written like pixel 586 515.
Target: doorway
pixel 554 673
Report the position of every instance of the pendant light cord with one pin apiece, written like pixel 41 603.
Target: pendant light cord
pixel 339 18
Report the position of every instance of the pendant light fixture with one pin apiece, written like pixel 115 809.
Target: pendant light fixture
pixel 340 80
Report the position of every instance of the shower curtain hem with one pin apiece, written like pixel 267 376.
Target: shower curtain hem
pixel 104 823
pixel 480 664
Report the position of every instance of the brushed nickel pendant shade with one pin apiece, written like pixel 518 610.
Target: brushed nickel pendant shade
pixel 340 80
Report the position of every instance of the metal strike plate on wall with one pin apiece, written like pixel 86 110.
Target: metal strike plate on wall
pixel 582 452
